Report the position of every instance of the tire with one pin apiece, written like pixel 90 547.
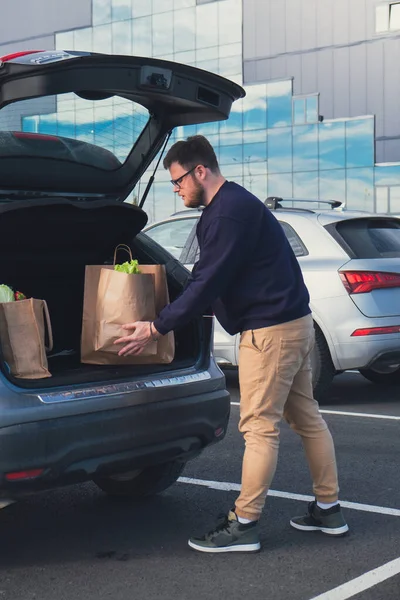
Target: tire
pixel 323 370
pixel 142 482
pixel 390 378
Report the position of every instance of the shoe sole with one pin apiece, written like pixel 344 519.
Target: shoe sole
pixel 237 548
pixel 330 531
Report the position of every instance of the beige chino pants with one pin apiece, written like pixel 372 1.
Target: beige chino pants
pixel 275 382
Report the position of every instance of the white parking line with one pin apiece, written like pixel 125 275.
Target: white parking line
pixel 235 487
pixel 349 414
pixel 362 583
pixel 357 414
pixel 346 590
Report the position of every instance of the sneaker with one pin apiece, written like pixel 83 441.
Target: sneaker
pixel 330 521
pixel 229 536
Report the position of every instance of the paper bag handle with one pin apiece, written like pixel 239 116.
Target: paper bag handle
pixel 49 329
pixel 122 247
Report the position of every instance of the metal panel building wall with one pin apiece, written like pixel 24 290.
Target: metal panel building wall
pixel 331 47
pixel 28 25
pixel 32 24
pixel 274 142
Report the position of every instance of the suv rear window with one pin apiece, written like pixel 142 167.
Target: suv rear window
pixel 370 238
pixel 106 129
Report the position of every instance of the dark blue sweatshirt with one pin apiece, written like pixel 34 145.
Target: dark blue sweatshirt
pixel 247 271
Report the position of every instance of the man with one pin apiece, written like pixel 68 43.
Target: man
pixel 248 272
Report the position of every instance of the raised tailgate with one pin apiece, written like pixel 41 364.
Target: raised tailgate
pixel 373 244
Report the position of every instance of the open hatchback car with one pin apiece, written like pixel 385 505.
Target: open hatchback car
pixel 77 132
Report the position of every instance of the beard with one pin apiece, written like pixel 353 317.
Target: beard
pixel 196 199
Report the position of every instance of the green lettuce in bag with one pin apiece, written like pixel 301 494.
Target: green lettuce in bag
pixel 6 293
pixel 131 267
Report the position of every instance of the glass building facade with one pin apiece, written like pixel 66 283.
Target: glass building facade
pixel 274 143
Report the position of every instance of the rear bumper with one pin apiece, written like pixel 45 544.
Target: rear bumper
pixel 74 449
pixel 225 346
pixel 338 319
pixel 385 360
pixel 369 353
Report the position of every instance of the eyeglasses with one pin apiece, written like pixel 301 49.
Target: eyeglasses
pixel 177 182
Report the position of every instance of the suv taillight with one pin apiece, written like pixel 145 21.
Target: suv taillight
pixel 362 282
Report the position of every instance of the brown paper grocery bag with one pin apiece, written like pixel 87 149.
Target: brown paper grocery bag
pixel 22 337
pixel 89 355
pixel 123 298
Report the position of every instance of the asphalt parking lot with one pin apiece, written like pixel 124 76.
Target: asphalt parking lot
pixel 78 544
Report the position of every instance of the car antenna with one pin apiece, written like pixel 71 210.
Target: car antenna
pixel 151 180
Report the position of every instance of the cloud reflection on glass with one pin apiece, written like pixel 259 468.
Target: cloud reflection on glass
pixel 360 142
pixel 280 150
pixel 332 185
pixel 121 10
pixel 279 99
pixel 360 189
pixel 101 11
pixel 332 145
pixel 272 142
pixel 305 148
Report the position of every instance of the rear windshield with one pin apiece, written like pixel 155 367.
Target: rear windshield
pixel 102 127
pixel 371 238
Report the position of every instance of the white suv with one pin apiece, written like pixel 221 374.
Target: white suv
pixel 351 266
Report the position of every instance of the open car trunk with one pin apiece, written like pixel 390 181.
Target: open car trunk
pixel 77 132
pixel 44 248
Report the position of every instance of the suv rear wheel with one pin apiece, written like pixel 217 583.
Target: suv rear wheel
pixel 141 482
pixel 388 378
pixel 323 370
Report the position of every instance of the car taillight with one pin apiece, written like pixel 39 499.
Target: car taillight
pixel 9 57
pixel 376 331
pixel 20 475
pixel 362 282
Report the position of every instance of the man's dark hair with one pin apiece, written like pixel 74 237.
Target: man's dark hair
pixel 196 150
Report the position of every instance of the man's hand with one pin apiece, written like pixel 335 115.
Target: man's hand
pixel 142 332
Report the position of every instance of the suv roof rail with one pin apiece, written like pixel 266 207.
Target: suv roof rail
pixel 274 202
